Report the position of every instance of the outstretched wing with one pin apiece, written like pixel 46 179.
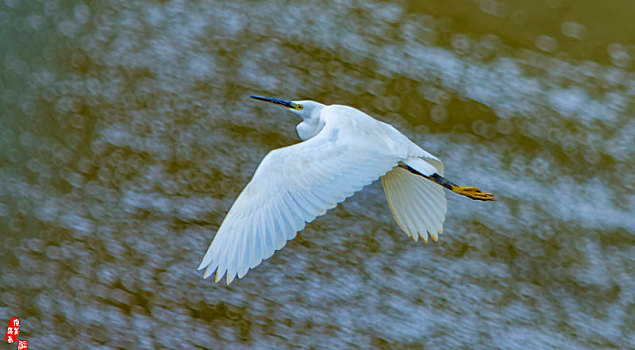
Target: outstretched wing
pixel 417 204
pixel 292 186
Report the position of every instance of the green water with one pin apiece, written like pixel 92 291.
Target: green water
pixel 126 132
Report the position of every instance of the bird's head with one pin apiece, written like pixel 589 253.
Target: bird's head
pixel 304 109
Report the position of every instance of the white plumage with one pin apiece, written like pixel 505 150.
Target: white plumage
pixel 418 205
pixel 344 150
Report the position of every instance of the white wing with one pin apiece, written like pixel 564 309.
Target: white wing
pixel 417 204
pixel 293 185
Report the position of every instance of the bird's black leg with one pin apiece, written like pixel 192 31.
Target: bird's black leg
pixel 469 192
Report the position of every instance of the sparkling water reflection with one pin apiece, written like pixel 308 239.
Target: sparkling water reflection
pixel 127 133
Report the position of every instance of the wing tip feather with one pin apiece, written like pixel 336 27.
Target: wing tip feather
pixel 218 277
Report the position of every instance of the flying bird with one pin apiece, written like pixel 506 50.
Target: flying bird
pixel 343 150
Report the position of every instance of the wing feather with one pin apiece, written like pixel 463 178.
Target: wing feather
pixel 436 205
pixel 429 209
pixel 291 187
pixel 269 233
pixel 427 226
pixel 409 216
pixel 283 225
pixel 222 263
pixel 418 205
pixel 243 261
pixel 433 222
pixel 257 236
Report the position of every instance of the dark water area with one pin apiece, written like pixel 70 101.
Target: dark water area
pixel 126 133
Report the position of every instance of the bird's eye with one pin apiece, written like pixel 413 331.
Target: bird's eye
pixel 300 107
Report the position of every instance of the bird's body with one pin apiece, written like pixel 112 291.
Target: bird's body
pixel 344 150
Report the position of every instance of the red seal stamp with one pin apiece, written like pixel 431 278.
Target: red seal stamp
pixel 12 332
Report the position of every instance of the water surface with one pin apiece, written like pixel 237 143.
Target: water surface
pixel 127 132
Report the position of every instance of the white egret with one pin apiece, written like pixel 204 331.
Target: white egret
pixel 343 150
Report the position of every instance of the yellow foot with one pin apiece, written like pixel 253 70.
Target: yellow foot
pixel 473 193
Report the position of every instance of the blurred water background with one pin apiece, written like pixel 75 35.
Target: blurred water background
pixel 126 132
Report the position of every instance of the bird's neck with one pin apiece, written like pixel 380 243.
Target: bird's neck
pixel 309 128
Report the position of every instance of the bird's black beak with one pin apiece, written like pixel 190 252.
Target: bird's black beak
pixel 276 101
